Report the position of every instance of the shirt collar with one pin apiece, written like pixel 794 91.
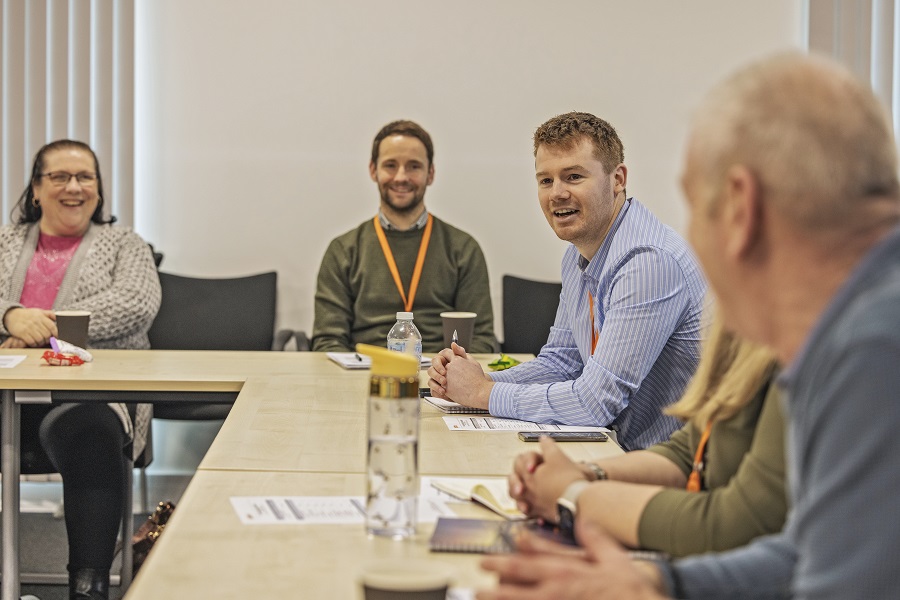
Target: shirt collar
pixel 871 265
pixel 600 257
pixel 419 224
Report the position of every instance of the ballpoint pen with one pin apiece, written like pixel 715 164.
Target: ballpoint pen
pixel 454 339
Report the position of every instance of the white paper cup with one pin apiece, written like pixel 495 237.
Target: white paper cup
pixel 464 325
pixel 406 580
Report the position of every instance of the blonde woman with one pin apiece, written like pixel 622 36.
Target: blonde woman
pixel 715 484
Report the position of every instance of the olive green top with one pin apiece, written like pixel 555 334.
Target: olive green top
pixel 744 484
pixel 357 299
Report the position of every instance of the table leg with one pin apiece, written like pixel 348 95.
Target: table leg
pixel 10 480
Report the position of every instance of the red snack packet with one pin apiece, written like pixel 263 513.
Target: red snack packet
pixel 58 359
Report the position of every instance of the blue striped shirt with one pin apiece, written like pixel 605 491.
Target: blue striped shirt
pixel 648 299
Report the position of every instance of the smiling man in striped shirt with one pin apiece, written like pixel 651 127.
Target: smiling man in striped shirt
pixel 628 327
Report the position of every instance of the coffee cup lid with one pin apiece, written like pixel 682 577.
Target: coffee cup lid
pixel 406 575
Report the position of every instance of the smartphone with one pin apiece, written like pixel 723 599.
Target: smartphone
pixel 564 436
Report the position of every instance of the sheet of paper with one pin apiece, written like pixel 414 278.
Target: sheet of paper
pixel 285 510
pixel 500 424
pixel 317 510
pixel 8 361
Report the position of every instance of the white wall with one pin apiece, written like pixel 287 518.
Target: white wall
pixel 255 118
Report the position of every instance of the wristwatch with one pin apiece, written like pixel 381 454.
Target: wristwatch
pixel 598 471
pixel 567 505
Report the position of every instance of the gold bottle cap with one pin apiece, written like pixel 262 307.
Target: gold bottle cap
pixel 389 363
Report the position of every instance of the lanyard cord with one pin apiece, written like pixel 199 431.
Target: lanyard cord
pixel 392 264
pixel 693 484
pixel 594 335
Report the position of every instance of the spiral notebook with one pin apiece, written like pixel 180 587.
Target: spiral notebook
pixel 448 406
pixel 468 535
pixel 489 536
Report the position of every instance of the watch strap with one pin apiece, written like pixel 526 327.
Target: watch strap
pixel 571 493
pixel 567 504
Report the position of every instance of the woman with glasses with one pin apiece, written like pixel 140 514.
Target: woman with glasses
pixel 63 254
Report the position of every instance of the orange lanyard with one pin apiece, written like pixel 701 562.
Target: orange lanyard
pixel 594 334
pixel 392 264
pixel 693 484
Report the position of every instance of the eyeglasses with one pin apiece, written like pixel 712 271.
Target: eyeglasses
pixel 61 178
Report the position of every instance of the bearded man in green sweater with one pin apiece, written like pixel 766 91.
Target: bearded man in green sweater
pixel 404 259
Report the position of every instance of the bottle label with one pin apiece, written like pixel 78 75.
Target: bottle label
pixel 397 345
pixel 406 346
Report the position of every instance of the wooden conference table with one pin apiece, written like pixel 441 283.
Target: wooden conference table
pixel 297 428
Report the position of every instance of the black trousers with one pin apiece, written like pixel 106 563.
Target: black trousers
pixel 84 443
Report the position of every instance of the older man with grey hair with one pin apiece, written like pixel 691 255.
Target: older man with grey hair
pixel 791 181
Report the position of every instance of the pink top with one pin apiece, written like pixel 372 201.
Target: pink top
pixel 47 269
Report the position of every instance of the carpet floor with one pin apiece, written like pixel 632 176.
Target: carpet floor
pixel 43 547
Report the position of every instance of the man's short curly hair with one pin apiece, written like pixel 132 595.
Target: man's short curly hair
pixel 566 131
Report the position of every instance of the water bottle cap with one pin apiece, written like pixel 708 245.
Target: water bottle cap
pixel 404 316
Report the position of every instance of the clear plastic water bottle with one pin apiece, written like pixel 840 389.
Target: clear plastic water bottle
pixel 404 337
pixel 393 456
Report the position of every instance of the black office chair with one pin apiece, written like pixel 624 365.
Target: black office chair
pixel 215 314
pixel 529 308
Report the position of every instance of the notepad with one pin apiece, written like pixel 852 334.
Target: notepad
pixel 354 360
pixel 491 493
pixel 449 406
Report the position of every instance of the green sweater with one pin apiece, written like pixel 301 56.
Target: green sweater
pixel 744 479
pixel 357 300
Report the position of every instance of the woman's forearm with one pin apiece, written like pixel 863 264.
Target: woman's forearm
pixel 616 507
pixel 644 467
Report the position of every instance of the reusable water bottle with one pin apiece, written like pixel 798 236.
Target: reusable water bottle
pixel 404 336
pixel 393 450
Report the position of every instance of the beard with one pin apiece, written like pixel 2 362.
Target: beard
pixel 413 205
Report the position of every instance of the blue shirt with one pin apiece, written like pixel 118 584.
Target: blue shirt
pixel 648 298
pixel 842 536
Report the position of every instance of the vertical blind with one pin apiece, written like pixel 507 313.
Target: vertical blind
pixel 68 72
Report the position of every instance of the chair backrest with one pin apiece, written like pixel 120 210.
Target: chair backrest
pixel 215 314
pixel 529 308
pixel 157 256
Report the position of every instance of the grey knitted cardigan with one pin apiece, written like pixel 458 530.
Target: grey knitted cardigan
pixel 112 274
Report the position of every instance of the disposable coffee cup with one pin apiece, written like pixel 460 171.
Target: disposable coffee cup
pixel 464 325
pixel 406 580
pixel 72 326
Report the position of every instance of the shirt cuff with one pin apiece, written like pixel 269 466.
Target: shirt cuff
pixel 502 402
pixel 669 579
